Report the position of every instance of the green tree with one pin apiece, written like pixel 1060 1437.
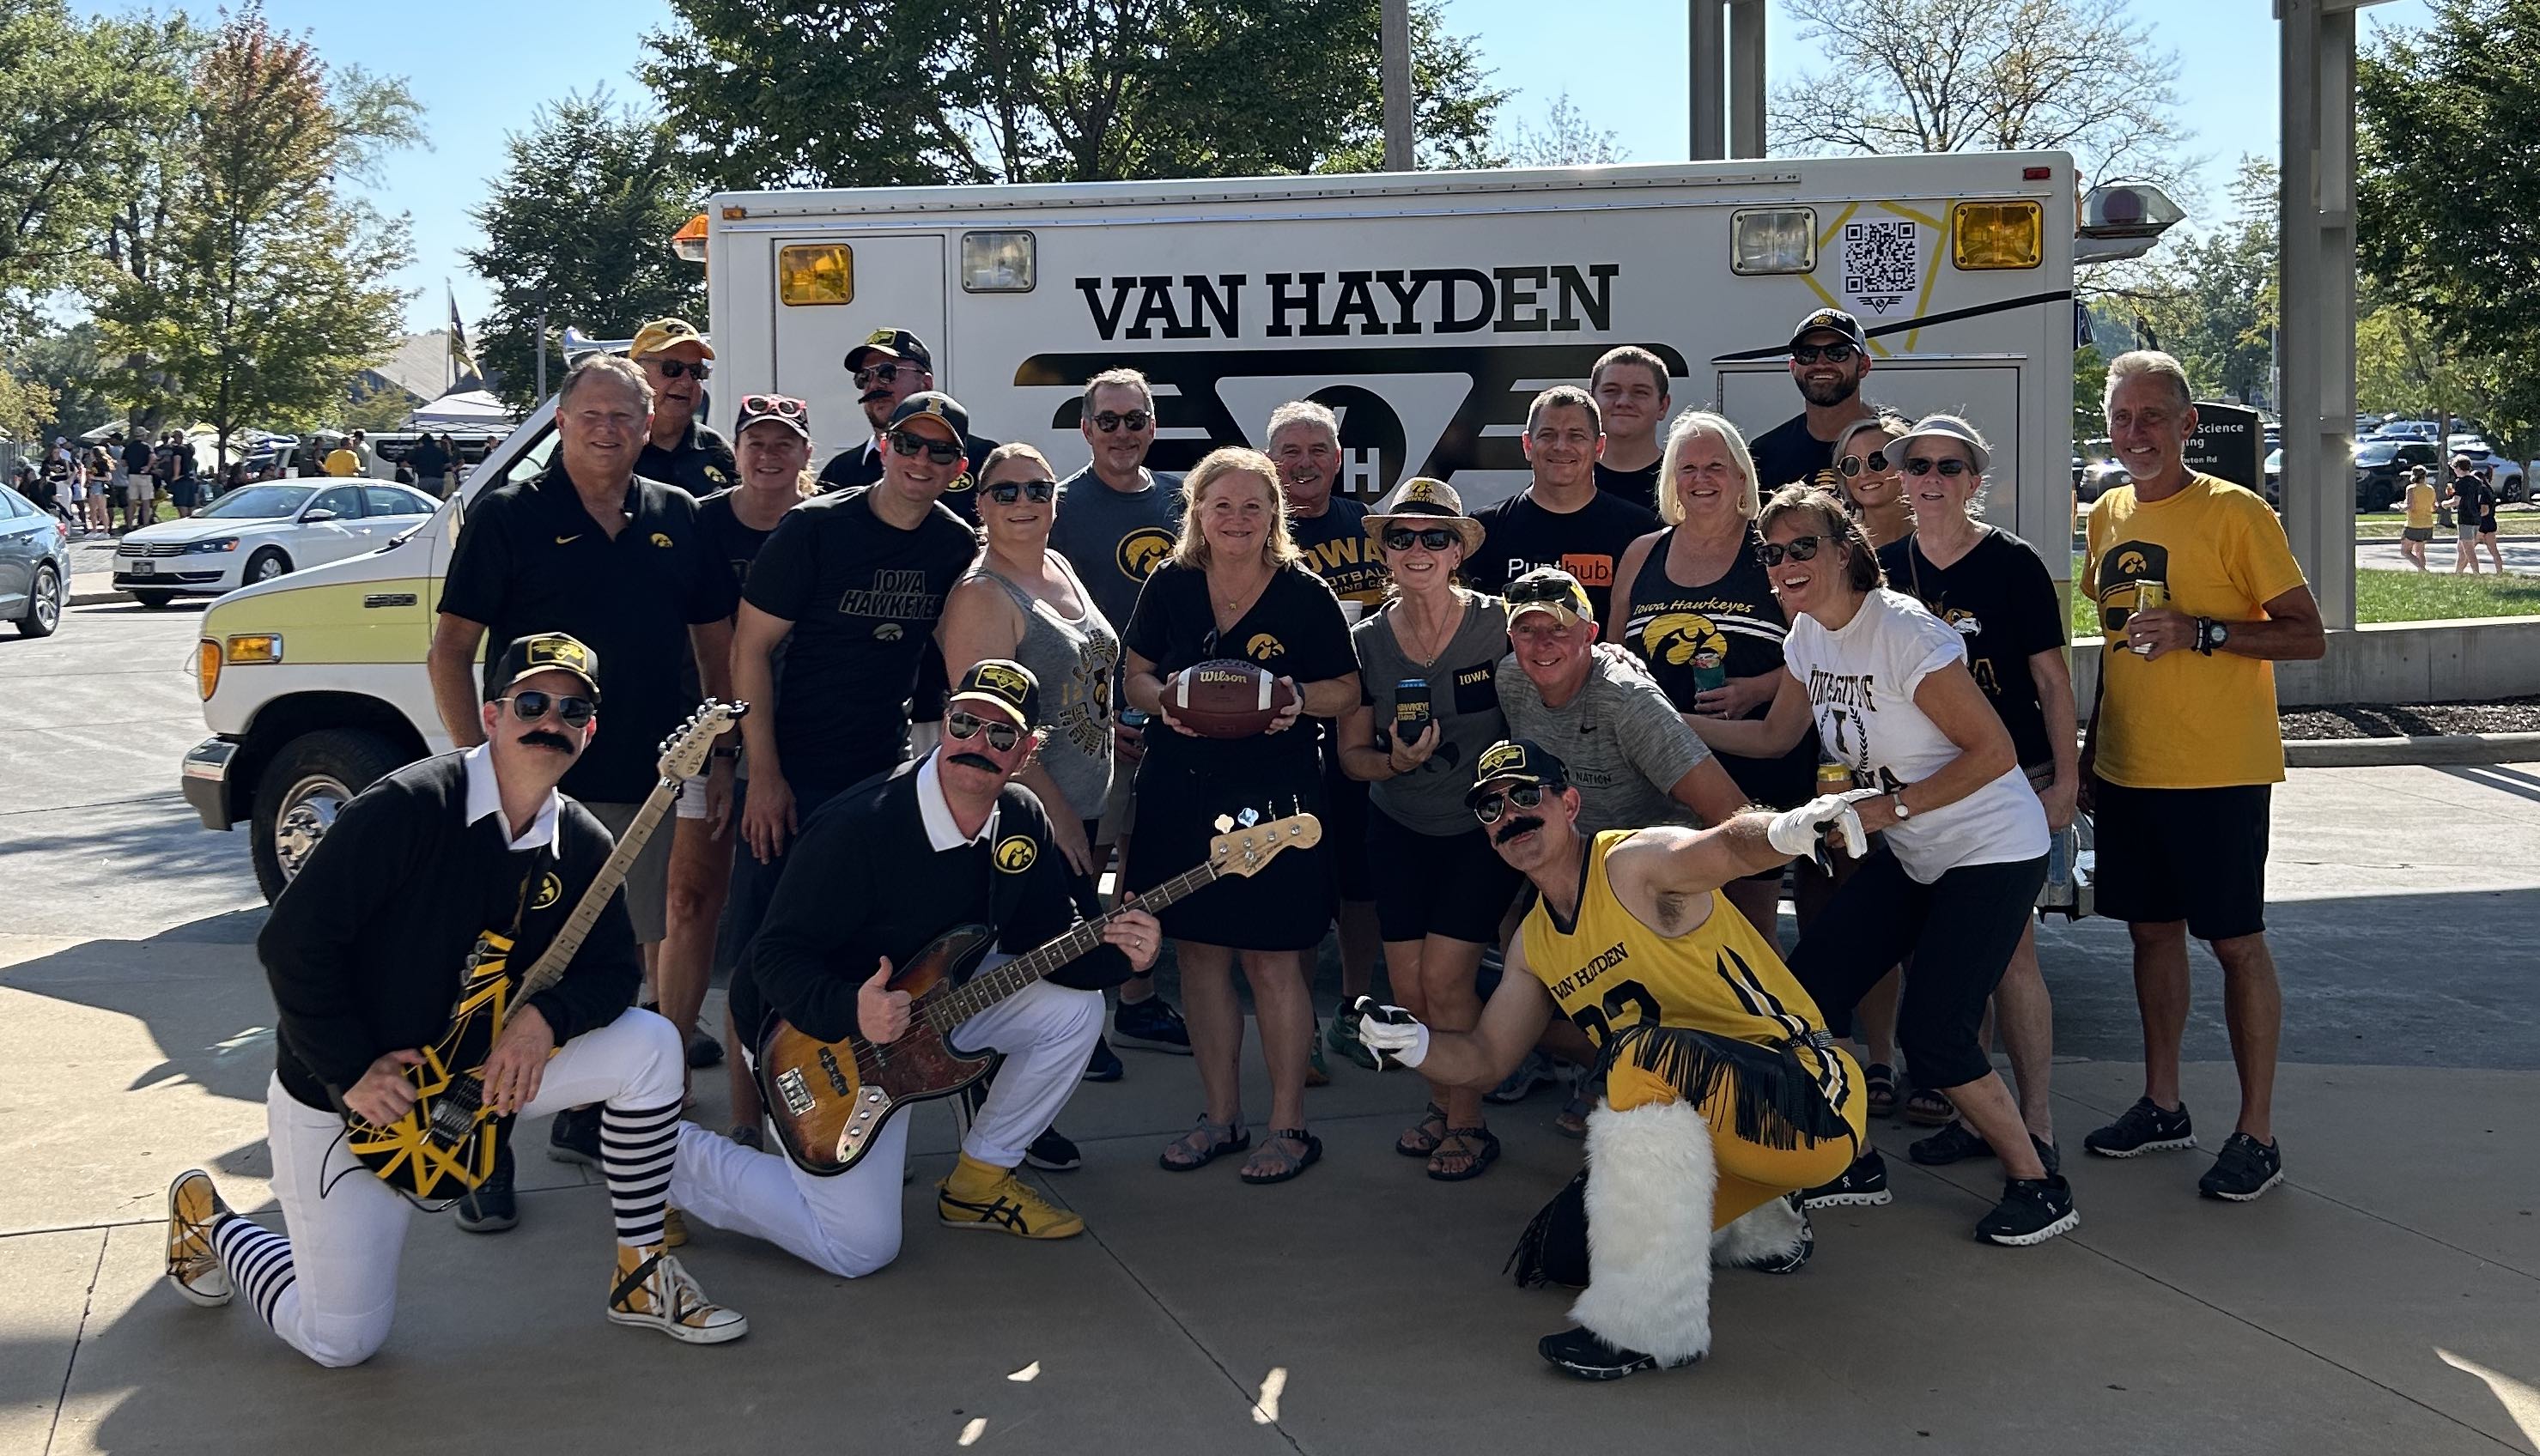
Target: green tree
pixel 2213 300
pixel 26 408
pixel 876 92
pixel 67 363
pixel 1565 139
pixel 259 289
pixel 580 222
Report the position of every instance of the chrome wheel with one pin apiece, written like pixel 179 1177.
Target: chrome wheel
pixel 267 567
pixel 47 605
pixel 307 812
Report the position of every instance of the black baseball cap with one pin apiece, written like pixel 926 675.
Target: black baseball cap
pixel 545 651
pixel 1005 685
pixel 934 402
pixel 891 343
pixel 1832 321
pixel 1516 761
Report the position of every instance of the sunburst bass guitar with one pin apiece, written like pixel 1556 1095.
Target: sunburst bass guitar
pixel 446 1143
pixel 829 1099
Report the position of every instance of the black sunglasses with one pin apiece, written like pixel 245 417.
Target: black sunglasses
pixel 529 706
pixel 941 452
pixel 1800 548
pixel 1428 538
pixel 1136 420
pixel 1835 352
pixel 1851 465
pixel 964 727
pixel 1490 807
pixel 1006 492
pixel 672 369
pixel 1919 465
pixel 879 373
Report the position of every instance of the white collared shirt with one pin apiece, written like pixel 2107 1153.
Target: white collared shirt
pixel 936 813
pixel 486 797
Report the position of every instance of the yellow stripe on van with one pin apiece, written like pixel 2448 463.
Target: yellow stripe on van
pixel 351 622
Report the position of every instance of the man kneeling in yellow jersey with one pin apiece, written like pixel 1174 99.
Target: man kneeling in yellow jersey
pixel 1725 1093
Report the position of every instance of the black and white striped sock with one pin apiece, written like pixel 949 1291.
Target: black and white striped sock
pixel 637 1146
pixel 258 1262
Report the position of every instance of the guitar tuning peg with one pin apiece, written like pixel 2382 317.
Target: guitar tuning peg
pixel 1225 822
pixel 1249 818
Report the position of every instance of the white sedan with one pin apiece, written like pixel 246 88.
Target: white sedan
pixel 257 532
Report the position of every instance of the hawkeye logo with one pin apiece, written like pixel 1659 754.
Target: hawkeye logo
pixel 1500 759
pixel 661 540
pixel 2131 564
pixel 1143 550
pixel 1962 619
pixel 1016 854
pixel 551 890
pixel 887 631
pixel 1003 679
pixel 1262 647
pixel 1679 638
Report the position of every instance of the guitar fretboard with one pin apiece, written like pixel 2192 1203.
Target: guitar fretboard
pixel 990 987
pixel 559 953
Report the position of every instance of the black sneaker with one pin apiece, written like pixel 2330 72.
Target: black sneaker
pixel 2246 1168
pixel 1152 1024
pixel 2141 1129
pixel 491 1207
pixel 704 1051
pixel 1958 1142
pixel 1862 1185
pixel 575 1136
pixel 1534 1069
pixel 1578 1353
pixel 1053 1153
pixel 1104 1066
pixel 2031 1212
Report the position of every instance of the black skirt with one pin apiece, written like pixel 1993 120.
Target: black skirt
pixel 1287 905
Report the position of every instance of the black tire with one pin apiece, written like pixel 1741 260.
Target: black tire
pixel 265 566
pixel 43 604
pixel 153 599
pixel 311 780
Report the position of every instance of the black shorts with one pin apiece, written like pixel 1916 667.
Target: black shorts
pixel 2197 854
pixel 1454 885
pixel 1345 819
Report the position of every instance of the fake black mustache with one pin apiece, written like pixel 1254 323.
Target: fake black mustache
pixel 542 738
pixel 1515 827
pixel 870 396
pixel 974 761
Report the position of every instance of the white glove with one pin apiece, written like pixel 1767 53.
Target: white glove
pixel 1805 830
pixel 1392 1033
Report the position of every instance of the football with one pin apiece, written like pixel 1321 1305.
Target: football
pixel 1226 698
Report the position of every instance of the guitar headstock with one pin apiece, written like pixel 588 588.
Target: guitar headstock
pixel 683 753
pixel 1245 850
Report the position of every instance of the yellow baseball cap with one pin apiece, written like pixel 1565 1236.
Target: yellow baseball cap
pixel 661 335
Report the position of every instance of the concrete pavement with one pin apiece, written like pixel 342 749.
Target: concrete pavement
pixel 2386 1298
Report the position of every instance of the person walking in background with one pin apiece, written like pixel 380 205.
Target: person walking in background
pixel 2472 503
pixel 2199 595
pixel 2420 504
pixel 431 463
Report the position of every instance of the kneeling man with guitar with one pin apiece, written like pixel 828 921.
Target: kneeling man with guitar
pixel 390 921
pixel 849 993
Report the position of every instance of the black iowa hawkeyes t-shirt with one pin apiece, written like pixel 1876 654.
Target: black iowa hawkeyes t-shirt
pixel 1337 547
pixel 1788 453
pixel 2000 599
pixel 1734 626
pixel 1293 629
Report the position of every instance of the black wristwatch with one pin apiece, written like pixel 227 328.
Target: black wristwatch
pixel 2210 633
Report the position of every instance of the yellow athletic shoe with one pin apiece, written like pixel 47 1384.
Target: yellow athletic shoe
pixel 194 1209
pixel 652 1291
pixel 978 1196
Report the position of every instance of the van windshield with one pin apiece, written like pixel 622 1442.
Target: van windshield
pixel 260 503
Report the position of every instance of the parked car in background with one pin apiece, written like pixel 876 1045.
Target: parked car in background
pixel 2275 468
pixel 34 565
pixel 2100 477
pixel 2381 469
pixel 259 532
pixel 2510 479
pixel 2424 430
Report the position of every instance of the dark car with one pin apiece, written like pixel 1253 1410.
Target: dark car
pixel 2381 469
pixel 34 565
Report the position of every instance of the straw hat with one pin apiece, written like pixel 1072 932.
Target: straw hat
pixel 1421 502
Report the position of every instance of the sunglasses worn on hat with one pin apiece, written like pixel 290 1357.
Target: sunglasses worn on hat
pixel 1924 465
pixel 1851 465
pixel 672 369
pixel 1544 592
pixel 1490 807
pixel 529 706
pixel 1006 492
pixel 783 406
pixel 1838 352
pixel 1136 420
pixel 880 374
pixel 1800 548
pixel 941 452
pixel 1427 537
pixel 964 727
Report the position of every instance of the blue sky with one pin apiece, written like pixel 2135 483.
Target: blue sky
pixel 482 68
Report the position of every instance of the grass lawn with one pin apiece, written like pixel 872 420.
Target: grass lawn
pixel 2400 597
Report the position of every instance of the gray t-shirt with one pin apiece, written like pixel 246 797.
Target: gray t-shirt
pixel 1463 697
pixel 1116 539
pixel 1623 742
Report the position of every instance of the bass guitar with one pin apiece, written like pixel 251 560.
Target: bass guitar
pixel 446 1143
pixel 829 1099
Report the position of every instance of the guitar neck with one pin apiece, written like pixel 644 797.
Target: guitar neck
pixel 990 987
pixel 559 953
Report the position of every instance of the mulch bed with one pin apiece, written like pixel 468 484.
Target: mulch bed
pixel 2412 719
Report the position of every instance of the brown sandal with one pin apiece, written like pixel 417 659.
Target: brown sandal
pixel 1480 1149
pixel 1417 1140
pixel 1204 1144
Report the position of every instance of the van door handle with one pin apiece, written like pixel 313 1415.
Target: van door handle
pixel 389 599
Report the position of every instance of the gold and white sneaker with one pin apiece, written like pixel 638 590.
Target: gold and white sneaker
pixel 652 1291
pixel 194 1209
pixel 674 1229
pixel 978 1196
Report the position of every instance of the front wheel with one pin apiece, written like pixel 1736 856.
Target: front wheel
pixel 268 564
pixel 153 599
pixel 301 792
pixel 43 604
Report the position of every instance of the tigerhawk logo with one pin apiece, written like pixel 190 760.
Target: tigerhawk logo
pixel 1003 679
pixel 1016 854
pixel 661 540
pixel 1678 638
pixel 551 890
pixel 1505 756
pixel 1262 647
pixel 1142 550
pixel 2131 564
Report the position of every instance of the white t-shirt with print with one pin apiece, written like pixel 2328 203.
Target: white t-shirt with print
pixel 1861 684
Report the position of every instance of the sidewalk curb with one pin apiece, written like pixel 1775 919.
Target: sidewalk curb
pixel 2426 749
pixel 95 599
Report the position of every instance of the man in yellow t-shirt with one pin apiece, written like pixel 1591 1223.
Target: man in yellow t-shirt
pixel 342 461
pixel 2199 597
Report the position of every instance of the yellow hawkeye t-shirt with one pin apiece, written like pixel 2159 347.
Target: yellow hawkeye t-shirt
pixel 2420 507
pixel 2188 721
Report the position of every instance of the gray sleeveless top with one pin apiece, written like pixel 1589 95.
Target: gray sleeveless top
pixel 1077 661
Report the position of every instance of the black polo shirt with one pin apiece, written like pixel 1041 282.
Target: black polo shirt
pixel 849 468
pixel 531 560
pixel 701 464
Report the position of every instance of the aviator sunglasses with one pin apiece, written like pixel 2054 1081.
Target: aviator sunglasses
pixel 1800 548
pixel 529 706
pixel 880 374
pixel 1006 492
pixel 1428 538
pixel 1490 807
pixel 1919 465
pixel 941 452
pixel 964 727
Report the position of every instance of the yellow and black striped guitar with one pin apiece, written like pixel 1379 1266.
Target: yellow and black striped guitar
pixel 446 1143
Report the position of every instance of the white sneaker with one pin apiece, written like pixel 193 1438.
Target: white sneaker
pixel 194 1209
pixel 652 1291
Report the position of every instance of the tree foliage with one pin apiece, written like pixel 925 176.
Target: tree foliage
pixel 878 93
pixel 2214 298
pixel 2078 76
pixel 581 220
pixel 66 363
pixel 1565 139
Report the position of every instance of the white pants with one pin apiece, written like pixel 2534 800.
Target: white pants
pixel 328 1286
pixel 849 1225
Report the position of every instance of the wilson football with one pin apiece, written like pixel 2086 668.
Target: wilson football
pixel 1226 698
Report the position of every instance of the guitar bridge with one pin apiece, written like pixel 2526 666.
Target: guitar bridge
pixel 798 1097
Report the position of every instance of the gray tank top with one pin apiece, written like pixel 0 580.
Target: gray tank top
pixel 1077 661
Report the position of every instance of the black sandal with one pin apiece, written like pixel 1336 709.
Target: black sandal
pixel 1417 1140
pixel 1882 1089
pixel 1930 1109
pixel 1483 1147
pixel 1206 1143
pixel 1293 1163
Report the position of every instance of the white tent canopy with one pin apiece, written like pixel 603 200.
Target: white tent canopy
pixel 462 409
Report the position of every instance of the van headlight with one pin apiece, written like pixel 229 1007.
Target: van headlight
pixel 213 547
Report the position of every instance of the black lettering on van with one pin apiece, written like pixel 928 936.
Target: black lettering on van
pixel 1514 298
pixel 1206 303
pixel 1107 323
pixel 1307 300
pixel 1157 302
pixel 1356 302
pixel 1574 290
pixel 1449 280
pixel 1406 303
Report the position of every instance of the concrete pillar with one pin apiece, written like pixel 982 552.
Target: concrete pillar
pixel 1396 65
pixel 2317 44
pixel 1707 70
pixel 1745 78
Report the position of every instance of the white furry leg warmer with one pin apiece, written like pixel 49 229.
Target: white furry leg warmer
pixel 1770 1230
pixel 1650 1181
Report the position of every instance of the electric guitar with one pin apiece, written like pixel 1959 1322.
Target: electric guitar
pixel 446 1143
pixel 829 1099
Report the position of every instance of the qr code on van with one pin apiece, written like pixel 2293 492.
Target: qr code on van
pixel 1882 262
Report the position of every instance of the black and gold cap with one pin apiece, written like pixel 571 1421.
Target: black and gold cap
pixel 1832 321
pixel 1516 761
pixel 545 651
pixel 934 402
pixel 891 343
pixel 1549 589
pixel 999 683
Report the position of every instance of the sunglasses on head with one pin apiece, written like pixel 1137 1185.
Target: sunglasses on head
pixel 1490 807
pixel 1834 353
pixel 1427 537
pixel 1851 465
pixel 672 369
pixel 1002 736
pixel 941 452
pixel 529 706
pixel 1136 420
pixel 1800 548
pixel 1919 465
pixel 1006 492
pixel 783 406
pixel 879 373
